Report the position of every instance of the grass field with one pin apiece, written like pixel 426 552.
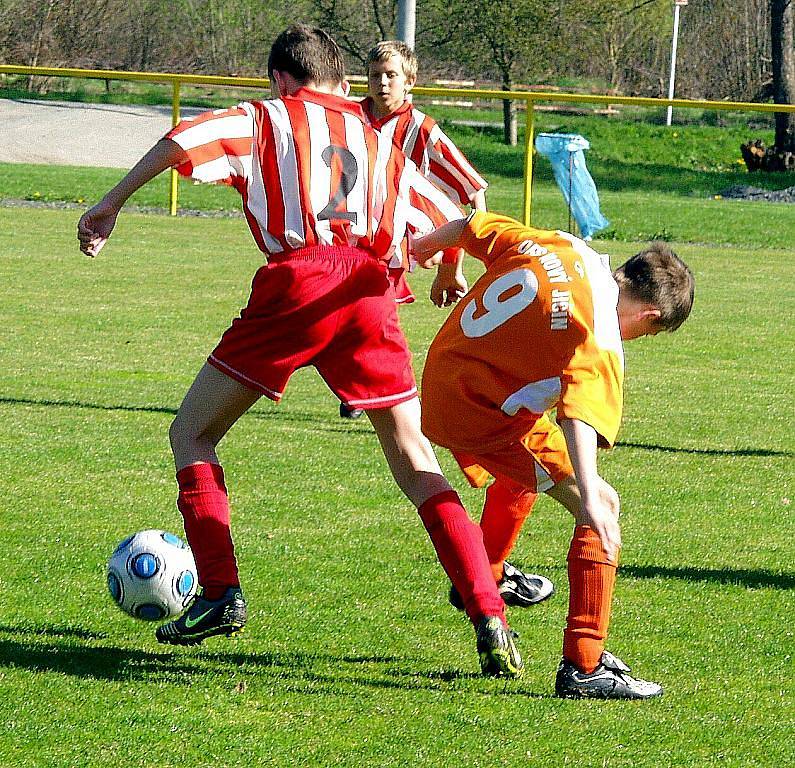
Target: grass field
pixel 352 656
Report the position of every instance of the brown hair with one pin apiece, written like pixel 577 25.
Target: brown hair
pixel 657 276
pixel 308 54
pixel 386 49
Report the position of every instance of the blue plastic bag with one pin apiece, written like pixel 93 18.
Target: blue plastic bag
pixel 565 152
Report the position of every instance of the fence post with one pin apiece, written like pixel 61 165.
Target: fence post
pixel 528 160
pixel 174 121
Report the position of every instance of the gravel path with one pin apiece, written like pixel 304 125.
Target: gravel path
pixel 742 192
pixel 70 133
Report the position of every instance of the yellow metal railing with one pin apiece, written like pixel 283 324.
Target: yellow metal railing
pixel 530 98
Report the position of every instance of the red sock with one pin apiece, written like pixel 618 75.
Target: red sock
pixel 591 580
pixel 507 506
pixel 459 546
pixel 204 505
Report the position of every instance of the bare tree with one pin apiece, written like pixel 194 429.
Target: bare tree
pixel 782 38
pixel 619 41
pixel 357 25
pixel 509 38
pixel 725 50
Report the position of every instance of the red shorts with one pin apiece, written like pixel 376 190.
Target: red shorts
pixel 329 307
pixel 537 461
pixel 403 292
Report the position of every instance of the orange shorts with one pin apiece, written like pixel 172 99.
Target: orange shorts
pixel 537 461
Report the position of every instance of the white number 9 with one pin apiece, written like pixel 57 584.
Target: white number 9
pixel 499 311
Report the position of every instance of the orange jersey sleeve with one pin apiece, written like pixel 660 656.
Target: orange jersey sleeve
pixel 537 331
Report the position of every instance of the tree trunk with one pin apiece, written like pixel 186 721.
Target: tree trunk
pixel 509 125
pixel 39 42
pixel 782 37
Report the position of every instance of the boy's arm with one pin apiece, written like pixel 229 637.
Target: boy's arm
pixel 450 170
pixel 427 249
pixel 581 442
pixel 486 236
pixel 96 224
pixel 478 200
pixel 432 208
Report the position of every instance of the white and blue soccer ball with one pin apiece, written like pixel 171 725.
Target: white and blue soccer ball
pixel 152 575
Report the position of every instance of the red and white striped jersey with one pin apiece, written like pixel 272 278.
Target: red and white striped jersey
pixel 432 151
pixel 311 171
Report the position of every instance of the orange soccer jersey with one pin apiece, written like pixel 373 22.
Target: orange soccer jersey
pixel 537 331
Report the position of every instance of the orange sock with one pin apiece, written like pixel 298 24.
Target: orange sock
pixel 591 580
pixel 507 506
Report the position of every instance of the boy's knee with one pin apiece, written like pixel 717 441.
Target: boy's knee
pixel 179 434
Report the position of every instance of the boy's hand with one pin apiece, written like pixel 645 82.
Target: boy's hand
pixel 449 285
pixel 95 226
pixel 428 261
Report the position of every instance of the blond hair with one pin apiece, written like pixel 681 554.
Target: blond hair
pixel 386 49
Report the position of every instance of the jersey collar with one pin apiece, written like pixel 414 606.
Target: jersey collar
pixel 377 123
pixel 328 101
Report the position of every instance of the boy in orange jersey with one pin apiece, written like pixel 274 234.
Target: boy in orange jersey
pixel 542 329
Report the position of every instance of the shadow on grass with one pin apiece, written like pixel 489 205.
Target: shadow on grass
pixel 275 413
pixel 99 663
pixel 282 413
pixel 707 451
pixel 54 630
pixel 751 578
pixel 305 673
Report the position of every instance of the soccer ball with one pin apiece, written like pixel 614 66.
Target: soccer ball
pixel 152 575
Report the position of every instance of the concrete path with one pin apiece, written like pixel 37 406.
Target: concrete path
pixel 70 133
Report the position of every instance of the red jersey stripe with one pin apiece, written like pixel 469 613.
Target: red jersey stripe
pixel 311 172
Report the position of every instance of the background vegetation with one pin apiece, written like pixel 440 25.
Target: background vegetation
pixel 621 45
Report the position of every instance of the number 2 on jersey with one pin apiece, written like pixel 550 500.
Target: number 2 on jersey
pixel 499 310
pixel 350 172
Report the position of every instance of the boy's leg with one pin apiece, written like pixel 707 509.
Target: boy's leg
pixel 520 472
pixel 592 579
pixel 212 405
pixel 517 477
pixel 507 506
pixel 457 540
pixel 367 363
pixel 587 670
